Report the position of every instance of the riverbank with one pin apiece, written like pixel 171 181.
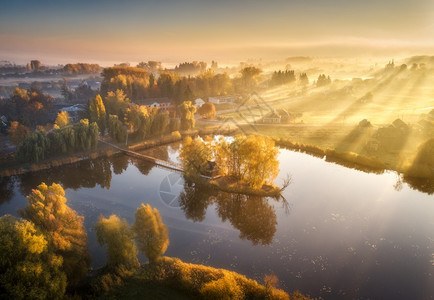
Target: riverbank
pixel 10 166
pixel 171 278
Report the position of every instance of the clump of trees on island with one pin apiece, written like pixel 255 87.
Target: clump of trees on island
pixel 45 254
pixel 247 159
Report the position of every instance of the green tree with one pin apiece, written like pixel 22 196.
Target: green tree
pixel 151 233
pixel 33 148
pixel 207 110
pixel 62 119
pixel 119 238
pixel 160 123
pixel 62 227
pixel 18 133
pixel 97 112
pixel 28 270
pixel 187 110
pixel 116 129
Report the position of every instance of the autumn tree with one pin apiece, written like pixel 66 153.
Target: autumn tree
pixel 187 110
pixel 119 238
pixel 62 227
pixel 97 112
pixel 18 133
pixel 62 119
pixel 252 159
pixel 259 157
pixel 195 155
pixel 207 110
pixel 151 233
pixel 116 102
pixel 28 269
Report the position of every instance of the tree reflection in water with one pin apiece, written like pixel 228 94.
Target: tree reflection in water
pixel 86 173
pixel 253 216
pixel 7 185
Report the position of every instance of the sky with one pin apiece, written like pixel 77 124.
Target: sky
pixel 109 31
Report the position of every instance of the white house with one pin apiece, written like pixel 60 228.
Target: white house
pixel 162 103
pixel 199 102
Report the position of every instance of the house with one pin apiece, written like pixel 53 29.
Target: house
pixel 222 99
pixel 75 111
pixel 198 102
pixel 272 118
pixel 279 116
pixel 161 103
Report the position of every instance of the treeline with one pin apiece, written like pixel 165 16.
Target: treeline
pixel 191 68
pixel 138 84
pixel 81 68
pixel 282 77
pixel 39 145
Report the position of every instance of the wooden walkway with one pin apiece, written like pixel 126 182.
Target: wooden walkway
pixel 158 162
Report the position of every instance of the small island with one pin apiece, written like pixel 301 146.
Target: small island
pixel 242 164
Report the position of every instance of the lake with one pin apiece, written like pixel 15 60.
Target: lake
pixel 337 233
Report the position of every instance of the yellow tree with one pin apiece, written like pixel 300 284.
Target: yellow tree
pixel 116 102
pixel 63 228
pixel 259 156
pixel 97 112
pixel 151 233
pixel 28 269
pixel 207 110
pixel 62 119
pixel 187 110
pixel 119 238
pixel 195 155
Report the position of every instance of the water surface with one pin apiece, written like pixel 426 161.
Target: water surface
pixel 337 233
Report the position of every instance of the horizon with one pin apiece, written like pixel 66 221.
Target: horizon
pixel 108 32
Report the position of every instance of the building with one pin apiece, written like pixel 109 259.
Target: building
pixel 279 116
pixel 161 103
pixel 75 112
pixel 198 102
pixel 222 99
pixel 272 118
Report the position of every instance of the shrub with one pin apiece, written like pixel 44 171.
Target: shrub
pixel 176 134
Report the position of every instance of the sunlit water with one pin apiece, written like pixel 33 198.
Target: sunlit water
pixel 341 233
